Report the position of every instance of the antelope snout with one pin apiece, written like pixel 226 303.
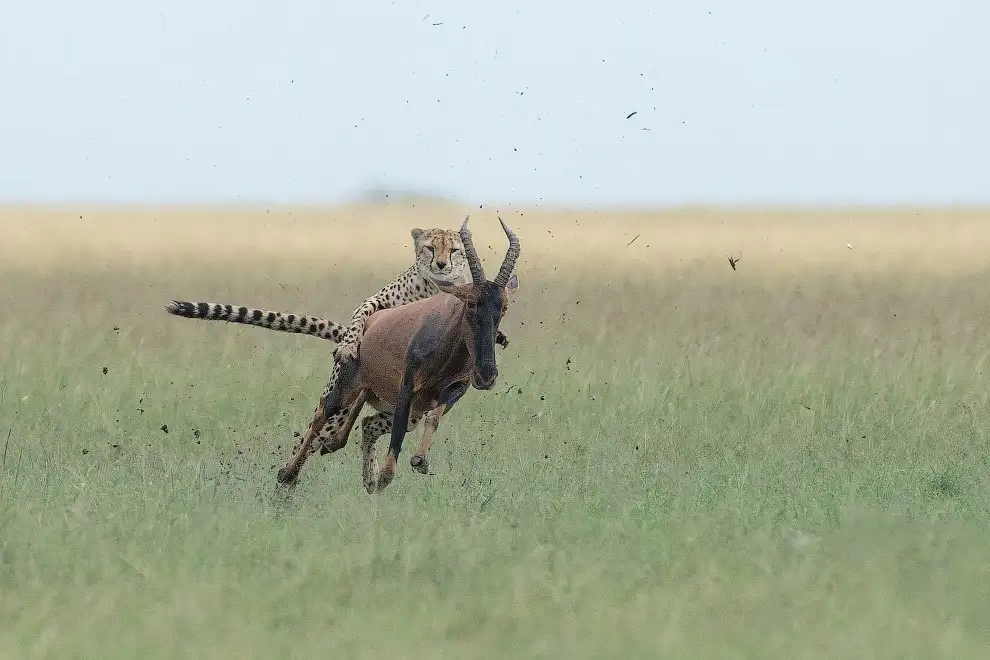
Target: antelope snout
pixel 484 378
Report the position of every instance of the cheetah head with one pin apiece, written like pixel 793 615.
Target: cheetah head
pixel 440 256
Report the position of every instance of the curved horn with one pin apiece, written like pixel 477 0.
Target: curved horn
pixel 510 256
pixel 477 272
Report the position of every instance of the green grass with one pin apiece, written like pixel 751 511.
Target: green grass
pixel 733 465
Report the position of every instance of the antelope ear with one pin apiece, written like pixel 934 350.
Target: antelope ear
pixel 513 285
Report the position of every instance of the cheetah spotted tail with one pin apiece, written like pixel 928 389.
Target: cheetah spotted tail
pixel 295 323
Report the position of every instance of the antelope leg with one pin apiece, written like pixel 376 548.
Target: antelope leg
pixel 306 447
pixel 326 434
pixel 448 398
pixel 431 421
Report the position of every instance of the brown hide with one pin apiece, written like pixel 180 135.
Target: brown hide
pixel 385 345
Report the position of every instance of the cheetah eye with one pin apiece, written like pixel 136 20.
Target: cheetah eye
pixel 430 248
pixel 454 251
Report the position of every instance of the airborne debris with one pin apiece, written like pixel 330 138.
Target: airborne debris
pixel 487 500
pixel 734 260
pixel 165 428
pixel 633 240
pixel 629 116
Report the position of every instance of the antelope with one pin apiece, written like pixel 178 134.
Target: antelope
pixel 415 360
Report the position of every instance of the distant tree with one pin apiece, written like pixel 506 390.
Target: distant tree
pixel 381 194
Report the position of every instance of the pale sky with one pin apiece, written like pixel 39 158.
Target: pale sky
pixel 307 101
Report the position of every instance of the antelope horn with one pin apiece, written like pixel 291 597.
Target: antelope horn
pixel 510 256
pixel 477 272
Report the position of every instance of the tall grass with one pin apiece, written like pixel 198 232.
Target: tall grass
pixel 684 462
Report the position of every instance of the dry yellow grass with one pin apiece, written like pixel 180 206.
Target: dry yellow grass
pixel 930 240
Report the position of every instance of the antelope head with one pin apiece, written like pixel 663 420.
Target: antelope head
pixel 485 303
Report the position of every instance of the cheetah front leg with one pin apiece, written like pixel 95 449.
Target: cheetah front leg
pixel 346 350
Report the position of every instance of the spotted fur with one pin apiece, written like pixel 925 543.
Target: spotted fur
pixel 262 318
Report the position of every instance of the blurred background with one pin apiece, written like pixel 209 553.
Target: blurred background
pixel 540 103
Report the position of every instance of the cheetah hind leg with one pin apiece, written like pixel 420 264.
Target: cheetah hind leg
pixel 332 436
pixel 333 412
pixel 372 428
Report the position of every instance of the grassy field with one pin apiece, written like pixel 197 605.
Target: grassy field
pixel 788 460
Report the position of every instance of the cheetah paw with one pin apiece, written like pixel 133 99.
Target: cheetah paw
pixel 345 353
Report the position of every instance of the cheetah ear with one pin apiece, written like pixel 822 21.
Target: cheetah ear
pixel 417 235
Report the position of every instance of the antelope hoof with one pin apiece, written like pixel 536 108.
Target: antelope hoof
pixel 384 479
pixel 285 477
pixel 419 463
